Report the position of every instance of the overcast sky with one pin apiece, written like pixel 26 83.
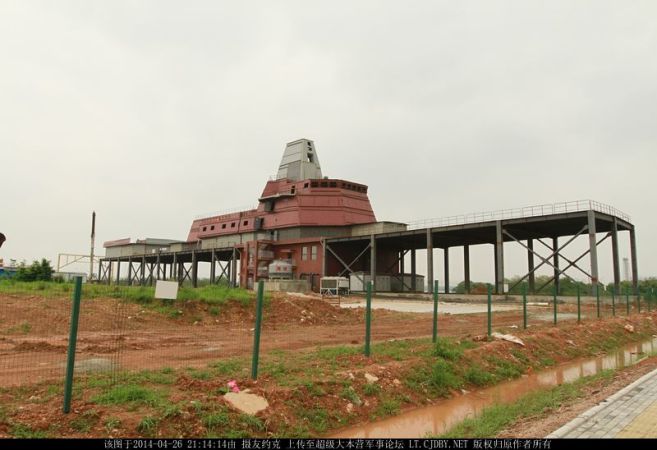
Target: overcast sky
pixel 153 112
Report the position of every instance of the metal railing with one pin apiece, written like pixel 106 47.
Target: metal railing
pixel 518 213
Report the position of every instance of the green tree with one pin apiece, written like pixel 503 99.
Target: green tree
pixel 37 271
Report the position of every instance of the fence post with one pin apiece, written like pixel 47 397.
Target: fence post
pixel 627 300
pixel 554 301
pixel 579 305
pixel 613 302
pixel 435 311
pixel 597 297
pixel 256 334
pixel 649 299
pixel 72 341
pixel 490 311
pixel 524 306
pixel 368 318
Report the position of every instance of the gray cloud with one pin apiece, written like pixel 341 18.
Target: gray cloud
pixel 153 112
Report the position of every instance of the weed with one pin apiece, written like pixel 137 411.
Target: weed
pixel 443 377
pixel 112 424
pixel 318 418
pixel 350 394
pixel 447 349
pixel 313 389
pixel 147 425
pixel 371 389
pixel 23 431
pixel 85 421
pixel 387 407
pixel 216 420
pixel 227 367
pixel 129 394
pixel 252 422
pixel 478 376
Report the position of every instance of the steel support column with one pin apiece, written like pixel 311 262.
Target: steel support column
pixel 555 261
pixel 373 262
pixel 233 270
pixel 499 258
pixel 466 267
pixel 446 268
pixel 530 266
pixel 142 271
pixel 401 267
pixel 413 271
pixel 129 271
pixel 194 269
pixel 593 250
pixel 118 272
pixel 635 269
pixel 213 267
pixel 614 255
pixel 429 280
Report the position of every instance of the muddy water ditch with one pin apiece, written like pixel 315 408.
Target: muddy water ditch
pixel 440 417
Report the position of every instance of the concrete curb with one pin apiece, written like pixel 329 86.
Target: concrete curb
pixel 570 426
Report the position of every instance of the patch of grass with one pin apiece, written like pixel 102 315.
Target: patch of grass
pixel 85 421
pixel 397 350
pixel 23 431
pixel 276 369
pixel 252 423
pixel 129 394
pixel 216 420
pixel 147 425
pixel 444 377
pixel 505 370
pixel 350 394
pixel 214 310
pixel 313 389
pixel 387 407
pixel 318 418
pixel 112 423
pixel 171 411
pixel 227 366
pixel 447 349
pixel 332 353
pixel 497 417
pixel 478 376
pixel 200 374
pixel 371 389
pixel 22 328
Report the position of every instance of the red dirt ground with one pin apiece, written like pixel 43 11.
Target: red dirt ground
pixel 34 331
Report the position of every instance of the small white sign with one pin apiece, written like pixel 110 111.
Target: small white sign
pixel 166 289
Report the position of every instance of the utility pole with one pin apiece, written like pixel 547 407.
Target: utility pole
pixel 93 239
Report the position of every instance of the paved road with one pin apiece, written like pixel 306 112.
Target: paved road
pixel 629 413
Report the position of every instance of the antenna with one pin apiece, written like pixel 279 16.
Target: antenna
pixel 93 238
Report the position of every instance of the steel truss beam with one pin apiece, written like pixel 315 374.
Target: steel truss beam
pixel 578 258
pixel 573 264
pixel 347 267
pixel 545 260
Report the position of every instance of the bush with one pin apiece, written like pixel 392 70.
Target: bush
pixel 38 271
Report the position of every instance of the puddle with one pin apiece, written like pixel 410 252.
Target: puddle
pixel 438 418
pixel 424 306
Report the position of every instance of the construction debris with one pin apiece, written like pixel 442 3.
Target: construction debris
pixel 508 337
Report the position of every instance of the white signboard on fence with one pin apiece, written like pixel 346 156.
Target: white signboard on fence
pixel 166 289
